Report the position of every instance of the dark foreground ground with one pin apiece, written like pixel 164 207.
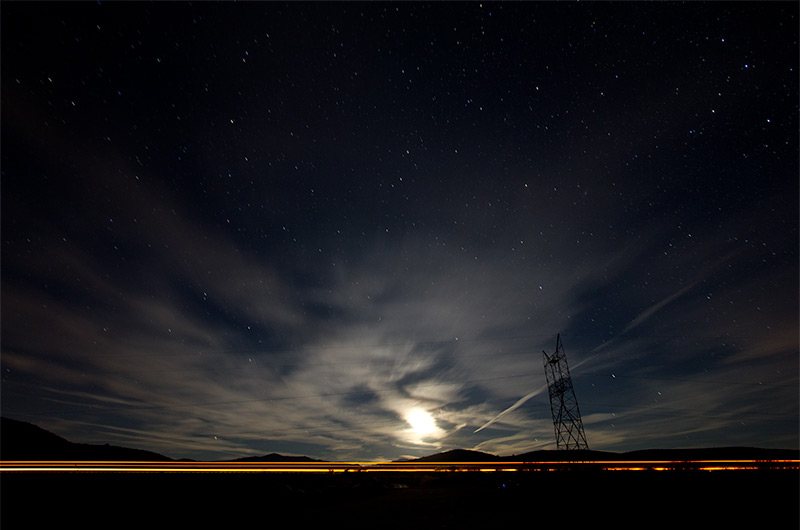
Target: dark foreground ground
pixel 632 499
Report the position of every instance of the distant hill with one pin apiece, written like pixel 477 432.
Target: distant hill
pixel 459 455
pixel 714 453
pixel 673 455
pixel 575 455
pixel 274 457
pixel 24 441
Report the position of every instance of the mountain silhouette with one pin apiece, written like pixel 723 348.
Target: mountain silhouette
pixel 24 441
pixel 274 457
pixel 20 440
pixel 459 455
pixel 669 455
pixel 587 455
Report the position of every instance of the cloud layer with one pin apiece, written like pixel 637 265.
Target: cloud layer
pixel 284 252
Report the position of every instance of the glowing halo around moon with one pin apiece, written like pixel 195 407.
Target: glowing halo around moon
pixel 421 422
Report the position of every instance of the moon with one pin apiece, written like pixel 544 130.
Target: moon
pixel 421 422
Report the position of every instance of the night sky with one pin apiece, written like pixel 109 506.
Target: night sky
pixel 348 230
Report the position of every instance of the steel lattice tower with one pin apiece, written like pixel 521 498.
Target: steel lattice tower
pixel 563 404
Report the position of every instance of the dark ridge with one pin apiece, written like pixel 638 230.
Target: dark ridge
pixel 714 453
pixel 575 455
pixel 459 455
pixel 672 455
pixel 274 457
pixel 24 441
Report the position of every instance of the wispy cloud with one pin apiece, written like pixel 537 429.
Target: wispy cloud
pixel 513 407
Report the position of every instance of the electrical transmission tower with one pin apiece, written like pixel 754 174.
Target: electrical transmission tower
pixel 563 404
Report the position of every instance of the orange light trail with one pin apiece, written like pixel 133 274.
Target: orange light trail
pixel 360 467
